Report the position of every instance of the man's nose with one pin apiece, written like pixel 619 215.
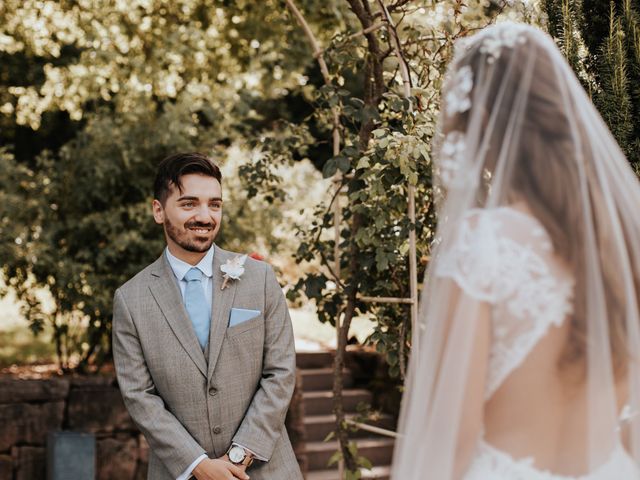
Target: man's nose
pixel 202 214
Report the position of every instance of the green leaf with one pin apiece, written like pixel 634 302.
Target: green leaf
pixel 353 448
pixel 363 163
pixel 392 358
pixel 382 260
pixel 365 463
pixel 350 151
pixel 335 458
pixel 330 168
pixel 369 112
pixel 424 151
pixel 313 286
pixel 349 475
pixel 344 164
pixel 331 435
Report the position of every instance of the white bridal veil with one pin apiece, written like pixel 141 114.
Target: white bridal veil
pixel 529 334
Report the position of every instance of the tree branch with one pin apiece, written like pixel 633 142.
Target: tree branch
pixel 372 28
pixel 404 67
pixel 366 20
pixel 317 51
pixel 318 54
pixel 399 4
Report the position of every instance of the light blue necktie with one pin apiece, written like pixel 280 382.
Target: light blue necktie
pixel 197 305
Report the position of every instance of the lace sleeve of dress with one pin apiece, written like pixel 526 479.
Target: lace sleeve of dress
pixel 473 257
pixel 501 254
pixel 505 257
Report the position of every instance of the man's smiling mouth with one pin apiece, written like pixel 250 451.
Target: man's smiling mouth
pixel 200 230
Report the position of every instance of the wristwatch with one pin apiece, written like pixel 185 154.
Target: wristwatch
pixel 239 456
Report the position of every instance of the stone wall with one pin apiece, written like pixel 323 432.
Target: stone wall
pixel 30 409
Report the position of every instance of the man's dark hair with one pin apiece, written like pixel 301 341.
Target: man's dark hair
pixel 172 168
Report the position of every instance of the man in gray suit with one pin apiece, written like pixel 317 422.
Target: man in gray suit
pixel 203 344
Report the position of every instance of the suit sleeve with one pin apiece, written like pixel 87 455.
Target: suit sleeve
pixel 264 421
pixel 166 436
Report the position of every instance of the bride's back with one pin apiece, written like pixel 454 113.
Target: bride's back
pixel 540 408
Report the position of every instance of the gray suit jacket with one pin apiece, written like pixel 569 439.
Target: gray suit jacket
pixel 186 404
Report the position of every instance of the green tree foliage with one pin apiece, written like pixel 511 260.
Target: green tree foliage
pixel 92 95
pixel 385 147
pixel 80 226
pixel 602 42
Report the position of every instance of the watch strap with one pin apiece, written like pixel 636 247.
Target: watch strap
pixel 248 459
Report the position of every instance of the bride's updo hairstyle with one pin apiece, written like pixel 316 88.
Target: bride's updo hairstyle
pixel 523 140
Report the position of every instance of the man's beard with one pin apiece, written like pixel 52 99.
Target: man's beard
pixel 181 237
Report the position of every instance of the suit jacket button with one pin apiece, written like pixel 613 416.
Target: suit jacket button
pixel 213 391
pixel 217 430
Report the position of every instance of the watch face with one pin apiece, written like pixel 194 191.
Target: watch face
pixel 236 454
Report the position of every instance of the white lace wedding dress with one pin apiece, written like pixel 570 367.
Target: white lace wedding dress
pixel 504 257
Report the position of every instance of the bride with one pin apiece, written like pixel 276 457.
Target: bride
pixel 528 365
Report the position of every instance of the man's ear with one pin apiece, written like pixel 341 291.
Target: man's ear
pixel 158 212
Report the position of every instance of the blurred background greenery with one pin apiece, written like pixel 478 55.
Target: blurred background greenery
pixel 94 93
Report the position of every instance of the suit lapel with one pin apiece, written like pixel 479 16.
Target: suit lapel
pixel 222 303
pixel 166 292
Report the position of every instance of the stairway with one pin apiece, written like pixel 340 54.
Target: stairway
pixel 316 370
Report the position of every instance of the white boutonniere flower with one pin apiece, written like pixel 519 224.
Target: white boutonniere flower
pixel 233 269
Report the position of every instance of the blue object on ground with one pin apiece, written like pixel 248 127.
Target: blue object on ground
pixel 71 456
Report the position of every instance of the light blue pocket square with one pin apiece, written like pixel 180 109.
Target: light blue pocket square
pixel 241 315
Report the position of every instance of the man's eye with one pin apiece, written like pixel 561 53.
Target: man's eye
pixel 188 204
pixel 216 205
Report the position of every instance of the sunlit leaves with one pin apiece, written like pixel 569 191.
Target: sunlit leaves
pixel 376 176
pixel 131 52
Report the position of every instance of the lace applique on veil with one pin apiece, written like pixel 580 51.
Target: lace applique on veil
pixel 504 257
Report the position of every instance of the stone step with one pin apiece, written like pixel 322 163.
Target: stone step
pixel 321 402
pixel 376 473
pixel 322 379
pixel 317 427
pixel 306 360
pixel 377 450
